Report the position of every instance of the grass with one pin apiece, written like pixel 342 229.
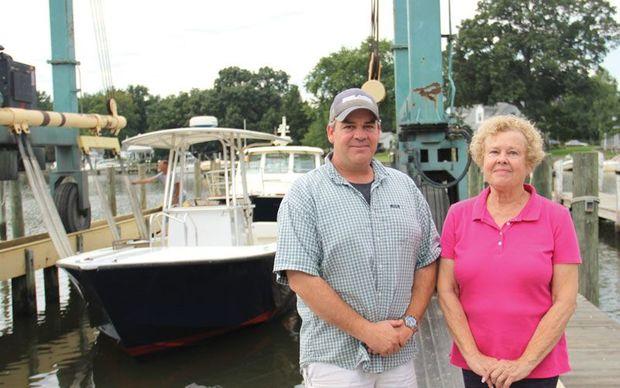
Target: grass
pixel 383 157
pixel 563 151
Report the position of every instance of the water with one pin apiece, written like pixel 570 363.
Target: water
pixel 58 348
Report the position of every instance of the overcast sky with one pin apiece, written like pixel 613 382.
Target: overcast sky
pixel 176 45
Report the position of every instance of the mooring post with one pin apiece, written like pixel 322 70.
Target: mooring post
pixel 3 235
pixel 50 279
pixel 111 172
pixel 584 210
pixel 142 175
pixel 558 183
pixel 617 201
pixel 24 294
pixel 475 180
pixel 17 213
pixel 541 178
pixel 197 179
pixel 79 243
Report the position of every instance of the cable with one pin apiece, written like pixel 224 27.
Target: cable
pixel 447 185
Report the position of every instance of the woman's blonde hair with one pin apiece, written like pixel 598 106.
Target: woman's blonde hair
pixel 496 124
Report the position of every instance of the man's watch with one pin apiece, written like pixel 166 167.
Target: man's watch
pixel 411 322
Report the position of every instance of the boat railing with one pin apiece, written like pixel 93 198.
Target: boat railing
pixel 161 219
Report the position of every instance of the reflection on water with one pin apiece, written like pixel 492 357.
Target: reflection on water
pixel 609 269
pixel 60 349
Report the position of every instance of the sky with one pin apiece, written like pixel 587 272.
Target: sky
pixel 176 45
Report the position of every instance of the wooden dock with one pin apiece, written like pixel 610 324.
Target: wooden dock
pixel 607 207
pixel 593 345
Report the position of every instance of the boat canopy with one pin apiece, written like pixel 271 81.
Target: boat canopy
pixel 184 137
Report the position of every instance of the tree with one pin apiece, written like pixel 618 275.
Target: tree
pixel 44 101
pixel 531 53
pixel 587 115
pixel 260 98
pixel 141 100
pixel 97 103
pixel 347 68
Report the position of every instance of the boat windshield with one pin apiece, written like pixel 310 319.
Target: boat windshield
pixel 303 163
pixel 253 165
pixel 276 163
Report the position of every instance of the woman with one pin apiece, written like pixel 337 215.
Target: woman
pixel 508 273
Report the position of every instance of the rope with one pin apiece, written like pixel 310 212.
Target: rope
pixel 374 66
pixel 103 49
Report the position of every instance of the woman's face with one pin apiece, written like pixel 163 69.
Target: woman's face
pixel 505 160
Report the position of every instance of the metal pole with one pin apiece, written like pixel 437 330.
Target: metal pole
pixel 197 179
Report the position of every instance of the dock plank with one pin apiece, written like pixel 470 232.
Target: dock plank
pixel 593 345
pixel 594 348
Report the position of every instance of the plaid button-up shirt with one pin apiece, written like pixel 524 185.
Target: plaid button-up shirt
pixel 366 252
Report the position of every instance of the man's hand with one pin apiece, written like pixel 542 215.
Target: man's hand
pixel 483 366
pixel 384 337
pixel 404 333
pixel 506 372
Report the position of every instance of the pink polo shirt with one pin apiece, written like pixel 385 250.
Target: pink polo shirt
pixel 504 275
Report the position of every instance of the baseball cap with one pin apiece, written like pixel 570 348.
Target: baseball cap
pixel 348 101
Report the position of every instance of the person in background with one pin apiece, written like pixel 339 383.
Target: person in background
pixel 161 176
pixel 357 243
pixel 508 272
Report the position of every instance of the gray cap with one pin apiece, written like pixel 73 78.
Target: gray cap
pixel 348 101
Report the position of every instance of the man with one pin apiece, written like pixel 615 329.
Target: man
pixel 356 242
pixel 161 176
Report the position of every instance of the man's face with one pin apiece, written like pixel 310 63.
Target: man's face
pixel 355 138
pixel 162 167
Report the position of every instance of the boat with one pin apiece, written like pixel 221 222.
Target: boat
pixel 206 268
pixel 272 169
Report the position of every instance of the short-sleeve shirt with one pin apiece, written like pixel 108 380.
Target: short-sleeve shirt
pixel 367 252
pixel 504 275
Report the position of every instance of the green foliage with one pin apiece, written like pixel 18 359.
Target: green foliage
pixel 589 114
pixel 535 54
pixel 260 98
pixel 347 68
pixel 97 103
pixel 44 101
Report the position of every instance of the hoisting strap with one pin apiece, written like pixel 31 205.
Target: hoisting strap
pixel 42 196
pixel 105 204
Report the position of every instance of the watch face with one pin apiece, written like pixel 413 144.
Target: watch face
pixel 411 322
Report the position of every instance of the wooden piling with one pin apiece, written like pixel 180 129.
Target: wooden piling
pixel 17 213
pixel 111 174
pixel 3 235
pixel 585 218
pixel 558 183
pixel 52 293
pixel 24 295
pixel 79 243
pixel 541 178
pixel 475 180
pixel 617 201
pixel 142 175
pixel 197 179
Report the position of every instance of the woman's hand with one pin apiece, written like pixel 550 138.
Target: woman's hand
pixel 506 372
pixel 482 365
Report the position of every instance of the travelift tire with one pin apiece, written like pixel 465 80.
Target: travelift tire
pixel 67 202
